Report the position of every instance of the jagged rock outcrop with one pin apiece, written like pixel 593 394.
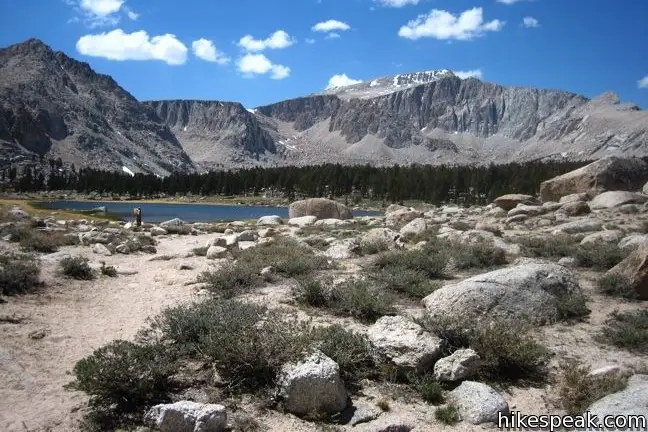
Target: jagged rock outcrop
pixel 55 106
pixel 213 132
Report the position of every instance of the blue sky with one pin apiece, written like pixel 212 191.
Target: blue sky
pixel 262 51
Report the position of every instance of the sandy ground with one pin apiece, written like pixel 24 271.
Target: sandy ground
pixel 79 317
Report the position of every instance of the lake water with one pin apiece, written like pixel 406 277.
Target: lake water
pixel 160 212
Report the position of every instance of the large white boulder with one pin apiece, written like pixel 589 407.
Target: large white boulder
pixel 633 400
pixel 270 220
pixel 416 226
pixel 613 199
pixel 530 291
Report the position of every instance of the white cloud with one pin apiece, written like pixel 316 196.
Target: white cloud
pixel 258 64
pixel 341 80
pixel 333 35
pixel 530 22
pixel 132 15
pixel 443 25
pixel 117 45
pixel 509 2
pixel 331 25
pixel 101 8
pixel 277 40
pixel 397 3
pixel 205 49
pixel 475 73
pixel 310 41
pixel 643 82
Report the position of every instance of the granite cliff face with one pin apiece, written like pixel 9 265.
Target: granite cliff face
pixel 215 133
pixel 55 106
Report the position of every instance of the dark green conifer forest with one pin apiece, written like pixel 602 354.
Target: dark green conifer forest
pixel 434 184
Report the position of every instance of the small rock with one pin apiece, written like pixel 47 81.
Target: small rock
pixel 158 231
pixel 17 213
pixel 575 208
pixel 38 334
pixel 248 236
pixel 270 220
pixel 312 386
pixel 302 221
pixel 478 403
pixel 462 364
pixel 611 236
pixel 187 416
pixel 101 249
pixel 123 249
pixel 405 343
pixel 510 201
pixel 613 199
pixel 215 252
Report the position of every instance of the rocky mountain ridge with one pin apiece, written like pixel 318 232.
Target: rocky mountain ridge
pixel 55 106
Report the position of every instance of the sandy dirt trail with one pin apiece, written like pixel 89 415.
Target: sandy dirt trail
pixel 79 317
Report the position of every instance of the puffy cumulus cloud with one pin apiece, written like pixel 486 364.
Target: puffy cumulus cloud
pixel 341 80
pixel 397 3
pixel 101 7
pixel 100 13
pixel 206 50
pixel 474 73
pixel 530 22
pixel 441 24
pixel 118 45
pixel 643 82
pixel 331 25
pixel 258 64
pixel 277 40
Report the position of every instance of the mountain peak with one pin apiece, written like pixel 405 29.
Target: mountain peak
pixel 389 84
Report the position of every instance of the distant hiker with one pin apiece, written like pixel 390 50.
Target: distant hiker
pixel 138 217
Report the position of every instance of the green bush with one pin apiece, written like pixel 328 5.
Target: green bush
pixel 230 280
pixel 549 246
pixel 616 285
pixel 77 268
pixel 374 247
pixel 313 292
pixel 627 330
pixel 247 343
pixel 200 251
pixel 572 307
pixel 508 352
pixel 430 261
pixel 600 256
pixel 577 389
pixel 413 283
pixel 352 351
pixel 109 271
pixel 448 415
pixel 18 275
pixel 359 299
pixel 123 377
pixel 431 391
pixel 481 254
pixel 32 239
pixel 286 257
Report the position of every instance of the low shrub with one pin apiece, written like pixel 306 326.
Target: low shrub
pixel 481 254
pixel 18 275
pixel 572 307
pixel 413 283
pixel 448 415
pixel 616 285
pixel 430 261
pixel 361 300
pixel 109 271
pixel 374 247
pixel 123 377
pixel 352 351
pixel 200 251
pixel 627 330
pixel 508 352
pixel 230 280
pixel 577 389
pixel 313 292
pixel 550 246
pixel 600 256
pixel 430 390
pixel 77 267
pixel 286 257
pixel 32 239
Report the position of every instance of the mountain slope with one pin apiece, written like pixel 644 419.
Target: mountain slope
pixel 55 106
pixel 216 133
pixel 436 117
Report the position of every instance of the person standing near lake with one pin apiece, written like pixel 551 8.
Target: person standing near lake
pixel 138 217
